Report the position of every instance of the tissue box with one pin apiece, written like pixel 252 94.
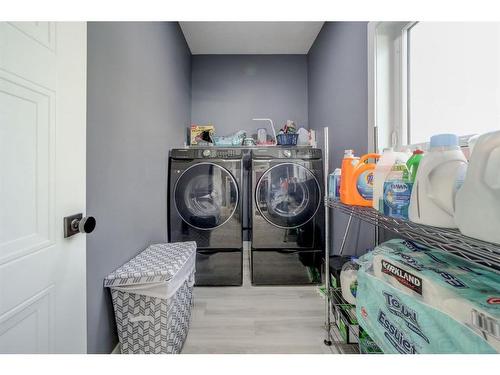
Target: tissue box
pixel 414 299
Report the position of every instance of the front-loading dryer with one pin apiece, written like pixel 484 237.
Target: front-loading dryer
pixel 204 205
pixel 287 241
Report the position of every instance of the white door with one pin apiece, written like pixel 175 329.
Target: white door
pixel 42 179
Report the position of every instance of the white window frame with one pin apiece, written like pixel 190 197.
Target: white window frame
pixel 398 49
pixel 400 126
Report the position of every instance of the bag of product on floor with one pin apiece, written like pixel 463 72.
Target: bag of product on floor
pixel 414 299
pixel 152 298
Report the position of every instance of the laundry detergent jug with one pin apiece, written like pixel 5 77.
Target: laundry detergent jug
pixel 477 204
pixel 358 187
pixel 349 162
pixel 440 173
pixel 388 158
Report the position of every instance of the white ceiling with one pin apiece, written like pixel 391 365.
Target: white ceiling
pixel 237 38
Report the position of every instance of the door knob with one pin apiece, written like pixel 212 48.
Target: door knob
pixel 78 224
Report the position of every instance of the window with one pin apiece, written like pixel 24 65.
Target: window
pixel 435 77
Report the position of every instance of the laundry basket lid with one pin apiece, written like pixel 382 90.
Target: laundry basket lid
pixel 158 263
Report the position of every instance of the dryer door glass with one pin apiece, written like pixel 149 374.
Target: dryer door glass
pixel 288 195
pixel 206 196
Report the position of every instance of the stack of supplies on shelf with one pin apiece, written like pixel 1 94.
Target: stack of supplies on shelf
pixel 415 299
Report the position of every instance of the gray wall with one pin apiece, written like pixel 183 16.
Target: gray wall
pixel 229 90
pixel 338 98
pixel 138 107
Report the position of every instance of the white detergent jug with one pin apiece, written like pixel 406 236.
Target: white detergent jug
pixel 440 173
pixel 382 170
pixel 477 203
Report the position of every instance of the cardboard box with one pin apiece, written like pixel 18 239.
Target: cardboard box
pixel 197 130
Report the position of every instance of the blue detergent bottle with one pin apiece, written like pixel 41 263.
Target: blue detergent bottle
pixel 397 191
pixel 334 184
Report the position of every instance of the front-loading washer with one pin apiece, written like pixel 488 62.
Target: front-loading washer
pixel 205 205
pixel 287 241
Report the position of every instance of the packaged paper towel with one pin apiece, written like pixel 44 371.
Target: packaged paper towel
pixel 420 300
pixel 348 280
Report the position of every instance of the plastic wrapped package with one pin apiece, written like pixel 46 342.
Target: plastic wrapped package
pixel 414 299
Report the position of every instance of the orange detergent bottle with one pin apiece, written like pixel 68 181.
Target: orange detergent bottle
pixel 358 187
pixel 348 164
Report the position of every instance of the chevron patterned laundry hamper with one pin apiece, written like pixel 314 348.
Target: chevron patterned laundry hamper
pixel 152 298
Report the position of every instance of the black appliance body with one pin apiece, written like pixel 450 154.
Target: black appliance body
pixel 287 216
pixel 205 205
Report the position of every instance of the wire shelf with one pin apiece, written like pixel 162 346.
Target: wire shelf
pixel 338 301
pixel 334 333
pixel 341 306
pixel 450 240
pixel 339 344
pixel 341 309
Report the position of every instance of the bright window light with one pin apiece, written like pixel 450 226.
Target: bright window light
pixel 453 79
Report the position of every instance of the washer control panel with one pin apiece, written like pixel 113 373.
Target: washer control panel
pixel 217 153
pixel 228 153
pixel 299 153
pixel 205 153
pixel 308 153
pixel 286 153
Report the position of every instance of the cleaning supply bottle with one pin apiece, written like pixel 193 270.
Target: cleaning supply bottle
pixel 356 184
pixel 413 163
pixel 382 169
pixel 334 184
pixel 397 191
pixel 477 204
pixel 348 164
pixel 440 174
pixel 361 183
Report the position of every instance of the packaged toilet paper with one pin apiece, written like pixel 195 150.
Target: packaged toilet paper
pixel 348 280
pixel 414 299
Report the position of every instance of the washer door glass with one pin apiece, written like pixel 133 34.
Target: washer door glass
pixel 288 195
pixel 206 196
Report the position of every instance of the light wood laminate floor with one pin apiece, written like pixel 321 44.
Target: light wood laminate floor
pixel 257 319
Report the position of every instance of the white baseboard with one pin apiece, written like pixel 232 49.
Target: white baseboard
pixel 117 349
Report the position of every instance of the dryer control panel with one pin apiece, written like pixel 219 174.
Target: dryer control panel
pixel 205 153
pixel 287 153
pixel 227 153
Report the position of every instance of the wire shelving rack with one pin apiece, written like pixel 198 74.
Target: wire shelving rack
pixel 450 240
